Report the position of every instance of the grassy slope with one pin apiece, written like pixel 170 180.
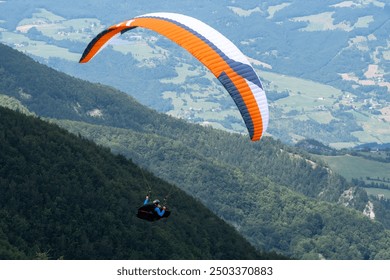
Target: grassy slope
pixel 358 167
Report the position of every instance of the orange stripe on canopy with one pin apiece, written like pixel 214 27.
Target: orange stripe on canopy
pixel 209 57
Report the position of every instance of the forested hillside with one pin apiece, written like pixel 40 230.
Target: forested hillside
pixel 277 198
pixel 64 197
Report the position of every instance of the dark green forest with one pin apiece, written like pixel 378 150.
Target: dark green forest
pixel 65 197
pixel 277 197
pixel 294 209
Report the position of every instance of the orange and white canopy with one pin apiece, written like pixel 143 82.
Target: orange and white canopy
pixel 211 48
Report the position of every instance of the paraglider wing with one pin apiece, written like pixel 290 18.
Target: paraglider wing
pixel 215 51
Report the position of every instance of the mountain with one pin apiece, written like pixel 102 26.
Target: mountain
pixel 324 65
pixel 63 196
pixel 277 197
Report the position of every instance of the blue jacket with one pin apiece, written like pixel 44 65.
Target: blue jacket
pixel 159 211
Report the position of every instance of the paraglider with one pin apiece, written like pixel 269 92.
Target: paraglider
pixel 229 65
pixel 152 211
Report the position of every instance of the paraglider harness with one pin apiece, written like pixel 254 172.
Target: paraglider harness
pixel 147 212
